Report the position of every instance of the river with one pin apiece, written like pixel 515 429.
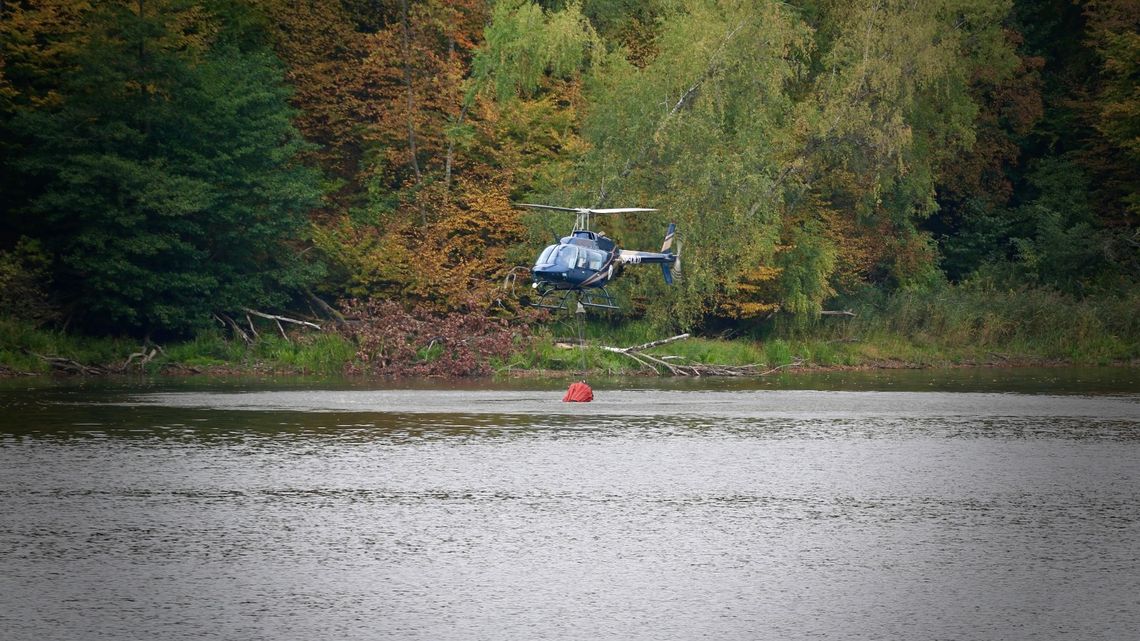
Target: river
pixel 962 504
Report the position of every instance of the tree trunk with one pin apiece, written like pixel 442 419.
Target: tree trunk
pixel 411 102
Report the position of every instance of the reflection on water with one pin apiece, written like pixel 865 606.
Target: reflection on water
pixel 1000 509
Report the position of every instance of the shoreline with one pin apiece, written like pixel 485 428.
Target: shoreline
pixel 222 372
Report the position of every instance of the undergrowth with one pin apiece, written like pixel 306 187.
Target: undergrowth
pixel 963 325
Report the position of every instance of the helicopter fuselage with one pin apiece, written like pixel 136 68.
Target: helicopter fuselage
pixel 587 259
pixel 582 259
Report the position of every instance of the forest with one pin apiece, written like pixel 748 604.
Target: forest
pixel 168 165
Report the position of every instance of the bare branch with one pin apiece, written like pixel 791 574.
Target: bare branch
pixel 282 319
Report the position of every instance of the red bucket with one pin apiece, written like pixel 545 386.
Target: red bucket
pixel 579 392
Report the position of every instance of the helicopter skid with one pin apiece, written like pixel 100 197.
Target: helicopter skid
pixel 558 299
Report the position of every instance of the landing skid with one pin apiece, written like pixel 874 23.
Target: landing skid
pixel 558 299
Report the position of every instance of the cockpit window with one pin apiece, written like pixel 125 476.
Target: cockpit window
pixel 545 259
pixel 566 256
pixel 572 256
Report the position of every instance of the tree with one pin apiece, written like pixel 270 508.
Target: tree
pixel 798 146
pixel 168 183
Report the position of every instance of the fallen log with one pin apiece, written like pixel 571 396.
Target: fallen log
pixel 638 357
pixel 663 341
pixel 283 319
pixel 69 366
pixel 238 331
pixel 656 364
pixel 335 315
pixel 795 363
pixel 144 357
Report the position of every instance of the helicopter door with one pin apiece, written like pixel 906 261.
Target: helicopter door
pixel 591 259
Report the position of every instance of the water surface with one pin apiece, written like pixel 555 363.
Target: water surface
pixel 953 505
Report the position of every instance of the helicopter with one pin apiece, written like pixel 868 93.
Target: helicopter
pixel 585 261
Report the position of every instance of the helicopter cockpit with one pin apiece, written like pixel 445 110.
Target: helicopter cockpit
pixel 571 257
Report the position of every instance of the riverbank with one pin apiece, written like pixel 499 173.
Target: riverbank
pixel 950 328
pixel 50 354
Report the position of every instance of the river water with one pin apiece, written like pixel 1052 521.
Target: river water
pixel 971 504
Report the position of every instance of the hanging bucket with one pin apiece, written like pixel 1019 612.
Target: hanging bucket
pixel 579 392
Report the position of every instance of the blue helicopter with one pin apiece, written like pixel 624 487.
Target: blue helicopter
pixel 585 261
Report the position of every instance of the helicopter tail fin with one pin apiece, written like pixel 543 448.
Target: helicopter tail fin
pixel 667 268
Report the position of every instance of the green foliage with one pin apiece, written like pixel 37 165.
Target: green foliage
pixel 23 346
pixel 699 133
pixel 777 352
pixel 804 274
pixel 810 151
pixel 1060 246
pixel 781 146
pixel 208 347
pixel 523 44
pixel 983 322
pixel 166 181
pixel 310 353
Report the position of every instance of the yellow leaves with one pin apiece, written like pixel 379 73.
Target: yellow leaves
pixel 460 253
pixel 539 139
pixel 755 295
pixel 37 42
pixel 761 274
pixel 747 310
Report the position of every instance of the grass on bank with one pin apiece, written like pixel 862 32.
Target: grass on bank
pixel 952 326
pixel 984 325
pixel 23 348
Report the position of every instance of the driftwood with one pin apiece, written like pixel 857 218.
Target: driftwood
pixel 329 310
pixel 238 331
pixel 795 363
pixel 144 357
pixel 68 366
pixel 837 312
pixel 251 336
pixel 656 364
pixel 282 319
pixel 699 369
pixel 249 321
pixel 638 348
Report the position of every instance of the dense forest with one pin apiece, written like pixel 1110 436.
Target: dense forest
pixel 166 163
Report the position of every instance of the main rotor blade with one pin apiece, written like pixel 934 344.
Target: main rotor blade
pixel 533 206
pixel 586 210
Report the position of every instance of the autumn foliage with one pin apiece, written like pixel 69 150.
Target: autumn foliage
pixel 169 160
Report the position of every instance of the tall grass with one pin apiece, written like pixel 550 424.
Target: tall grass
pixel 22 347
pixel 987 324
pixel 952 325
pixel 946 326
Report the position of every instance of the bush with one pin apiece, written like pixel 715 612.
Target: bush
pixel 394 341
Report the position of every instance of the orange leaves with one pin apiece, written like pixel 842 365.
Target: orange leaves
pixel 417 64
pixel 461 252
